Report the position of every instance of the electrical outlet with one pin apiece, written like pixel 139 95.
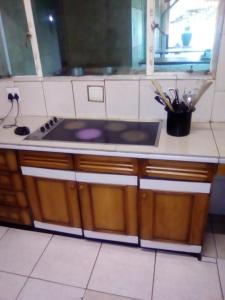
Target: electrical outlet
pixel 13 91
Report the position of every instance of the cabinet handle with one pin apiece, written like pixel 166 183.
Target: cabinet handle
pixel 72 186
pixel 143 195
pixel 81 187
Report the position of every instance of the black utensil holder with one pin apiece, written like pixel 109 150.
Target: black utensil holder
pixel 179 123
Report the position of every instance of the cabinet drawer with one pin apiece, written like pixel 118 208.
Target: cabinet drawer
pixel 179 170
pixel 15 215
pixel 12 181
pixel 12 198
pixel 46 160
pixel 104 164
pixel 8 161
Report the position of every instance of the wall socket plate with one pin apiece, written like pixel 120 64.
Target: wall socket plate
pixel 13 90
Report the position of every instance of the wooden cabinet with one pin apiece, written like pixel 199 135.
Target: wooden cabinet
pixel 173 217
pixel 8 161
pixel 53 201
pixel 108 197
pixel 13 203
pixel 173 204
pixel 109 208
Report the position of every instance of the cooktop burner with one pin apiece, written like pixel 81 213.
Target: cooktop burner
pixel 98 131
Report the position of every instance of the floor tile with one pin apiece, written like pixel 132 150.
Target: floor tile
pixel 3 231
pixel 10 285
pixel 209 247
pixel 123 271
pixel 180 277
pixel 20 250
pixel 221 267
pixel 41 290
pixel 67 260
pixel 220 245
pixel 92 295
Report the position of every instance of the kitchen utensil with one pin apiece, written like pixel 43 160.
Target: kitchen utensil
pixel 159 100
pixel 158 87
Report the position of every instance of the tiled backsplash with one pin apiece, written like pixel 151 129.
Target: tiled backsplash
pixel 123 98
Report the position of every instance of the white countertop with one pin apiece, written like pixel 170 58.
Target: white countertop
pixel 199 145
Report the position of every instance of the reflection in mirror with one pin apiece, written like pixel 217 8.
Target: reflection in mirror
pixel 16 56
pixel 184 34
pixel 91 37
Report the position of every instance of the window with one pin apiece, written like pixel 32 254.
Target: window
pixel 16 56
pixel 184 34
pixel 91 37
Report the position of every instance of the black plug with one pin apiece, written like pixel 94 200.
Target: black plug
pixel 10 97
pixel 16 97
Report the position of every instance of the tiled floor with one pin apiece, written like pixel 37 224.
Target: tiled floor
pixel 39 266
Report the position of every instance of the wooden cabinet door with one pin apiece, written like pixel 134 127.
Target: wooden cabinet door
pixel 173 217
pixel 53 201
pixel 109 208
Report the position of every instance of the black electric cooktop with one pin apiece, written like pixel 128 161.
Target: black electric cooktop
pixel 98 131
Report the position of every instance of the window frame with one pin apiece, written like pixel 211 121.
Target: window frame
pixel 149 50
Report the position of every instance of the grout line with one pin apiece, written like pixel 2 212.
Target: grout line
pixel 33 268
pixel 153 279
pixel 106 293
pixel 220 283
pixel 215 141
pixel 214 240
pixel 4 233
pixel 139 99
pixel 74 101
pixel 12 273
pixel 93 266
pixel 56 282
pixel 45 100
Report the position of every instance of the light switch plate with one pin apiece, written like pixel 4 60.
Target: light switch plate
pixel 13 91
pixel 95 93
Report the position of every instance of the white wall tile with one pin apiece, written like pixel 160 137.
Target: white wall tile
pixel 218 114
pixel 149 108
pixel 59 99
pixel 122 99
pixel 85 108
pixel 204 106
pixel 4 103
pixel 32 98
pixel 220 82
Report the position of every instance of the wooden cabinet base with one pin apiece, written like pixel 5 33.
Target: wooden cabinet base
pixel 130 239
pixel 58 228
pixel 171 246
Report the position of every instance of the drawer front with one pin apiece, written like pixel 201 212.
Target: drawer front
pixel 178 170
pixel 12 198
pixel 104 164
pixel 49 160
pixel 12 181
pixel 15 215
pixel 8 161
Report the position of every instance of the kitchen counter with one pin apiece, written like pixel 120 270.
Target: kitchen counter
pixel 199 146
